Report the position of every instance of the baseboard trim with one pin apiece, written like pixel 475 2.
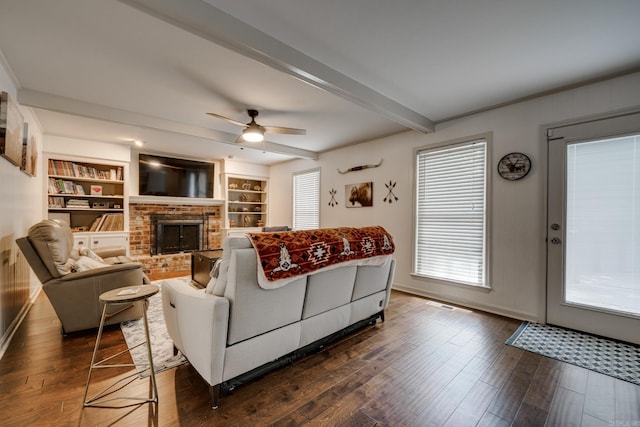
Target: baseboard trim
pixel 468 303
pixel 5 340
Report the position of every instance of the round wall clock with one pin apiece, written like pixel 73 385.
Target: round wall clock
pixel 514 166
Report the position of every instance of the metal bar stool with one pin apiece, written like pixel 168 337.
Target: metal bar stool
pixel 120 296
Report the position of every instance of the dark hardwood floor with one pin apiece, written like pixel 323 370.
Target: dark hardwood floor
pixel 424 366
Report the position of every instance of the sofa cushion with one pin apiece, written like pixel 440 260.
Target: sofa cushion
pixel 53 241
pixel 258 350
pixel 253 310
pixel 329 289
pixel 371 279
pixel 324 324
pixel 215 272
pixel 228 244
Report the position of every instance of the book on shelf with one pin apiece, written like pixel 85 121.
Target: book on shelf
pixel 77 170
pixel 61 186
pixel 56 202
pixel 108 222
pixel 95 223
pixel 53 186
pixel 69 187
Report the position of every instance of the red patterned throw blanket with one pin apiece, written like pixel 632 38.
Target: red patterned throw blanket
pixel 285 255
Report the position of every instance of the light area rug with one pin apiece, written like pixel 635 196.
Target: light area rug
pixel 161 344
pixel 609 357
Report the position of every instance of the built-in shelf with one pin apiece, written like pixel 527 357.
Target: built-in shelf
pixel 246 202
pixel 91 197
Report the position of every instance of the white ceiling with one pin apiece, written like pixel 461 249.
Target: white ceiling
pixel 347 71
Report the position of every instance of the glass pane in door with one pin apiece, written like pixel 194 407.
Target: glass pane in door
pixel 602 241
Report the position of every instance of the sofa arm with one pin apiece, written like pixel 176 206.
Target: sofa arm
pixel 110 269
pixel 197 323
pixel 75 296
pixel 110 251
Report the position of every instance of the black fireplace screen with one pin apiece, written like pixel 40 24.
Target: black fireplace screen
pixel 172 234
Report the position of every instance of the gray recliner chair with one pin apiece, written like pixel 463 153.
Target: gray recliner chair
pixel 74 295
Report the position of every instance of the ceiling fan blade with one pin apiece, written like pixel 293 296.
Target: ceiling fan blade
pixel 235 122
pixel 279 129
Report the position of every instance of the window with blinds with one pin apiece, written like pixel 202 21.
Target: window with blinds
pixel 602 224
pixel 306 200
pixel 450 240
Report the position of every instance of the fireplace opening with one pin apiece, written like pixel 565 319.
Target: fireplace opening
pixel 172 234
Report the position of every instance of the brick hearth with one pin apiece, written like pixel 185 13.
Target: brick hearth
pixel 173 265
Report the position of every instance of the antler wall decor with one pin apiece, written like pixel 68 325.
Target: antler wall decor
pixel 359 168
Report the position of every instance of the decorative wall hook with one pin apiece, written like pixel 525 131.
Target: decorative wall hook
pixel 359 168
pixel 390 197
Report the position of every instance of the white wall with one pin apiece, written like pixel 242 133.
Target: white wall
pixel 21 206
pixel 90 149
pixel 241 168
pixel 518 208
pixel 280 190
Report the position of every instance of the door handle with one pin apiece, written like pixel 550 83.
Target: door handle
pixel 556 241
pixel 555 227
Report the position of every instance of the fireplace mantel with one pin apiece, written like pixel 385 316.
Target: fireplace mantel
pixel 184 201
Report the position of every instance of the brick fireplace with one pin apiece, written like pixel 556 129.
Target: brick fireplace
pixel 159 266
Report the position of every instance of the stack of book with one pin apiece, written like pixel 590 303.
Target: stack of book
pixel 78 203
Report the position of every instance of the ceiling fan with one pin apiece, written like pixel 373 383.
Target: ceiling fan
pixel 253 132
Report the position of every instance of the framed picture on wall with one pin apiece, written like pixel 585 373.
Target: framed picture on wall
pixel 11 129
pixel 29 152
pixel 358 195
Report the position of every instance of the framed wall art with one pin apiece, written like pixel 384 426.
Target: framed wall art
pixel 358 195
pixel 11 129
pixel 29 152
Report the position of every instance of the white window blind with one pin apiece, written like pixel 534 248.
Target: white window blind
pixel 306 200
pixel 450 213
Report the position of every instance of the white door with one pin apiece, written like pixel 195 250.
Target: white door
pixel 593 235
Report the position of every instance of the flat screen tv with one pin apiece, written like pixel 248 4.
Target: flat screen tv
pixel 166 176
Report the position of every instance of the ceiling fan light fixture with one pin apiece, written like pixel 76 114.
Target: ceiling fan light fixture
pixel 253 134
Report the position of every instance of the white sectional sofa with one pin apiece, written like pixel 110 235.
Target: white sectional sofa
pixel 235 330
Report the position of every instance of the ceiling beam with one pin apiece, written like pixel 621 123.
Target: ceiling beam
pixel 217 26
pixel 60 104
